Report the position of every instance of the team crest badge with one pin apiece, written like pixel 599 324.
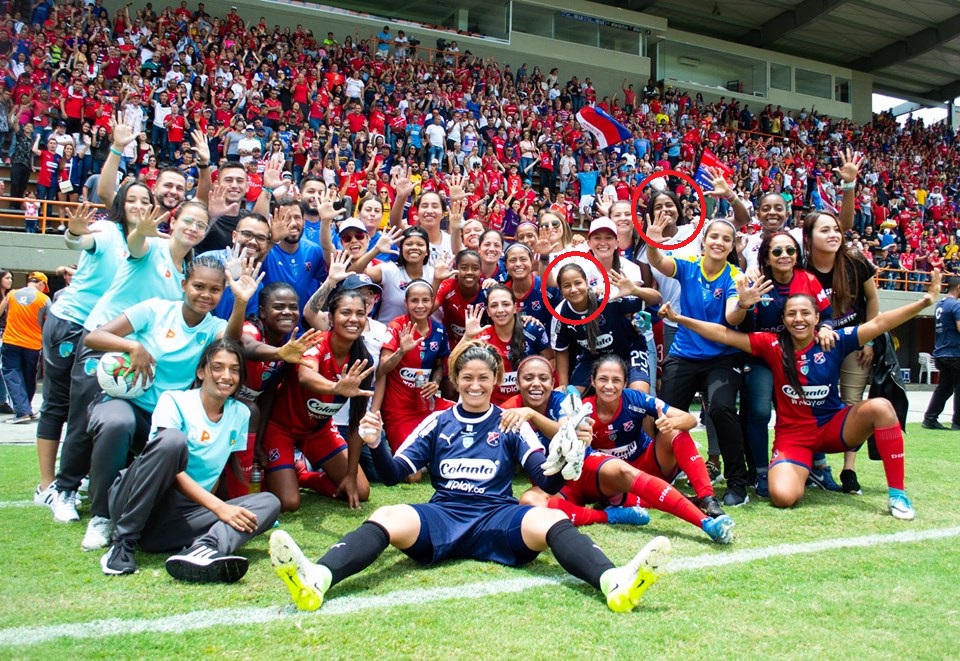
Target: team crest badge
pixel 274 454
pixel 717 293
pixel 493 439
pixel 804 369
pixel 467 440
pixel 628 425
pixel 65 349
pixel 434 346
pixel 819 358
pixel 535 305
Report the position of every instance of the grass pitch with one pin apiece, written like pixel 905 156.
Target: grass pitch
pixel 890 600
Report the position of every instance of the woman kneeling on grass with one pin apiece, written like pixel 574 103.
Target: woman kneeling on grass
pixel 810 415
pixel 164 500
pixel 473 513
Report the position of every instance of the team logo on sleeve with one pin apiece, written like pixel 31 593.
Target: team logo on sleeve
pixel 435 346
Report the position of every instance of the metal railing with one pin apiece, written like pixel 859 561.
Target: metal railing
pixel 44 217
pixel 904 280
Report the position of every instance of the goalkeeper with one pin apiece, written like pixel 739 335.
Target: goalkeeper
pixel 473 513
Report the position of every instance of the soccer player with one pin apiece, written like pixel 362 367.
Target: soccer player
pixel 472 513
pixel 456 294
pixel 810 414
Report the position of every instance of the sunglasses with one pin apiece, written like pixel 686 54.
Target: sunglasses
pixel 350 237
pixel 555 224
pixel 790 250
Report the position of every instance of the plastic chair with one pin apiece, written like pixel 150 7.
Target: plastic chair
pixel 928 364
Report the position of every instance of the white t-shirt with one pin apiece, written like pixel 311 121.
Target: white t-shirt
pixel 394 282
pixel 670 287
pixel 751 252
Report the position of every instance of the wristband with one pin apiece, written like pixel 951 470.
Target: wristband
pixel 545 259
pixel 868 344
pixel 731 197
pixel 848 185
pixel 202 166
pixel 268 191
pixel 748 308
pixel 114 151
pixel 72 240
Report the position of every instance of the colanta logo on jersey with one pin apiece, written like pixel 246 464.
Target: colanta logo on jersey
pixel 468 469
pixel 603 341
pixel 410 374
pixel 323 409
pixel 813 394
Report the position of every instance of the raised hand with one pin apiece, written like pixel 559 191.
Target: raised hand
pixel 387 240
pixel 245 286
pixel 544 245
pixel 79 220
pixel 720 186
pixel 149 223
pixel 234 265
pixel 621 285
pixel 751 293
pixel 217 205
pixel 850 162
pixel 273 175
pixel 455 211
pixel 606 202
pixel 338 266
pixel 455 184
pixel 443 269
pixel 472 317
pixel 293 350
pixel 201 146
pixel 407 340
pixel 656 227
pixel 350 379
pixel 328 213
pixel 123 133
pixel 401 184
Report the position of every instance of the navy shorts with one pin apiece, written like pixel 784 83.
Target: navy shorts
pixel 638 368
pixel 489 533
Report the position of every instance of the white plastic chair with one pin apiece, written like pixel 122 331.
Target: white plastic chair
pixel 928 364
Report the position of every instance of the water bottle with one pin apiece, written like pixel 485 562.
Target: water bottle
pixel 256 477
pixel 427 403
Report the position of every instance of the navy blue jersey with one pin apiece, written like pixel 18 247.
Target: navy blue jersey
pixel 616 334
pixel 533 303
pixel 554 412
pixel 947 340
pixel 470 459
pixel 623 435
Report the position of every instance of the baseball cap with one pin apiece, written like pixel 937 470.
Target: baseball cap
pixel 40 277
pixel 351 224
pixel 602 224
pixel 359 281
pixel 250 127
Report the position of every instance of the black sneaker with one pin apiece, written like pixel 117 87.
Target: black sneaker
pixel 710 506
pixel 6 409
pixel 735 496
pixel 849 482
pixel 714 472
pixel 954 427
pixel 120 558
pixel 932 424
pixel 202 564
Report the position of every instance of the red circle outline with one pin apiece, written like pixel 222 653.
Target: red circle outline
pixel 639 226
pixel 546 299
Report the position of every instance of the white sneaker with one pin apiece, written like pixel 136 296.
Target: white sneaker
pixel 901 508
pixel 98 534
pixel 64 507
pixel 46 496
pixel 306 581
pixel 624 586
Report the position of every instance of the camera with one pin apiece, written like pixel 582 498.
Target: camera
pixel 442 44
pixel 413 41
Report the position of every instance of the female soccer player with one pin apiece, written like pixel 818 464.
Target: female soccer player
pixel 164 340
pixel 412 363
pixel 509 335
pixel 810 414
pixel 473 513
pixel 708 291
pixel 491 257
pixel 331 374
pixel 577 346
pixel 526 285
pixel 394 277
pixel 164 502
pixel 455 294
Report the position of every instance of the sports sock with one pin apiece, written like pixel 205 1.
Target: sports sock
pixel 690 462
pixel 661 496
pixel 318 481
pixel 578 514
pixel 890 446
pixel 577 553
pixel 355 551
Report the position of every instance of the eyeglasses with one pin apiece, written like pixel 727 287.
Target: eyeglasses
pixel 555 224
pixel 247 235
pixel 193 222
pixel 790 250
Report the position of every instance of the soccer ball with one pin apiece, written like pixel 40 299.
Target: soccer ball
pixel 110 375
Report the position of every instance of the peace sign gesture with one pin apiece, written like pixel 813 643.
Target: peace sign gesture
pixel 350 379
pixel 79 220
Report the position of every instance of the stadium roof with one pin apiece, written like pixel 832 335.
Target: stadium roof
pixel 912 49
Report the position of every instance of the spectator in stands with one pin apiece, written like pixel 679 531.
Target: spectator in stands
pixel 26 310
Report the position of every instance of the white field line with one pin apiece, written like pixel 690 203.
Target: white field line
pixel 17 503
pixel 225 617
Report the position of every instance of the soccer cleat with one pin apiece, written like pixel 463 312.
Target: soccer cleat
pixel 64 507
pixel 121 558
pixel 735 496
pixel 630 516
pixel 624 586
pixel 720 529
pixel 849 482
pixel 926 424
pixel 763 485
pixel 823 478
pixel 202 564
pixel 306 581
pixel 46 496
pixel 901 507
pixel 714 472
pixel 710 506
pixel 98 534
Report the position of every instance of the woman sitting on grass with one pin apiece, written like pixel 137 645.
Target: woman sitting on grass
pixel 472 513
pixel 164 501
pixel 810 415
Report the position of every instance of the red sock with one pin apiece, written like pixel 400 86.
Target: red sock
pixel 890 445
pixel 578 514
pixel 690 462
pixel 665 498
pixel 626 500
pixel 236 487
pixel 317 481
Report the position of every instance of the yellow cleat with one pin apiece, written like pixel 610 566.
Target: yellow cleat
pixel 624 586
pixel 304 579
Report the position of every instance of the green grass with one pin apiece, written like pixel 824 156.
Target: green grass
pixel 897 600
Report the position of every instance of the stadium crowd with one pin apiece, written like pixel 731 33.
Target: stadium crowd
pixel 312 246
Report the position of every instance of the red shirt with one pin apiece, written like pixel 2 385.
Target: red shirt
pixel 451 301
pixel 298 410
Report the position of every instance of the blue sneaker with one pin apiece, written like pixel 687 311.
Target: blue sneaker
pixel 901 507
pixel 763 485
pixel 720 529
pixel 629 516
pixel 823 479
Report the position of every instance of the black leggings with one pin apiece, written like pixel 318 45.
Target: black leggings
pixel 719 379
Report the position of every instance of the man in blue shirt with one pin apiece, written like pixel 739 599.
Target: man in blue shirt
pixel 946 351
